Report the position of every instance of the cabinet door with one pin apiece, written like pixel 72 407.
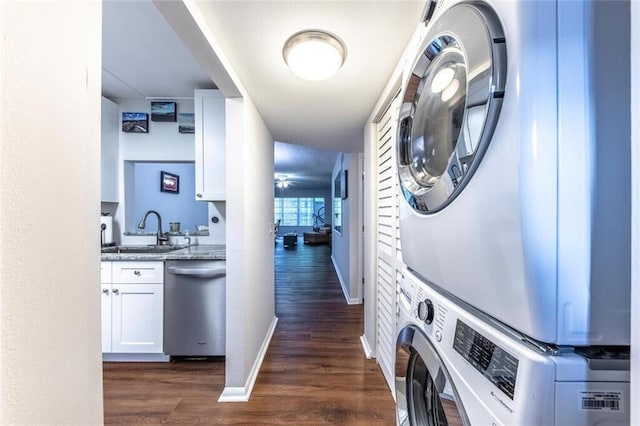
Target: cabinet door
pixel 137 318
pixel 105 306
pixel 110 133
pixel 210 149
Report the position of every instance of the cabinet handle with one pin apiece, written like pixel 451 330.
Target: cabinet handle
pixel 199 195
pixel 116 291
pixel 137 273
pixel 105 291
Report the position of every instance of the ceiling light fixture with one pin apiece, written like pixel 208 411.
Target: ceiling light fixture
pixel 314 55
pixel 442 79
pixel 282 182
pixel 450 90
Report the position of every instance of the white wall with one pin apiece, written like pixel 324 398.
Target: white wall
pixel 250 262
pixel 345 245
pixel 635 212
pixel 162 143
pixel 50 355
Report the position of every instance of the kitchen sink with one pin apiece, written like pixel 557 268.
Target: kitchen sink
pixel 140 249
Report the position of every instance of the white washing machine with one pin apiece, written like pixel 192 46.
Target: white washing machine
pixel 455 368
pixel 514 162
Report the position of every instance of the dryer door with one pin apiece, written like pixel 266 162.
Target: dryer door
pixel 425 394
pixel 450 105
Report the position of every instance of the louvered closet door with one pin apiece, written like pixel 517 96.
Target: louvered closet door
pixel 387 262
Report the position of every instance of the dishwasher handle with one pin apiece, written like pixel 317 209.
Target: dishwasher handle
pixel 198 272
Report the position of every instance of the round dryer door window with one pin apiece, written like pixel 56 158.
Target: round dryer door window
pixel 450 105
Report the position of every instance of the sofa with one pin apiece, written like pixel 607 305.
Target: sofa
pixel 323 236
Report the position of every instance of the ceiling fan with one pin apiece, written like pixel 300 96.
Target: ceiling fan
pixel 282 182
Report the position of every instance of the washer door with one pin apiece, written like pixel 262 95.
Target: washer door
pixel 450 105
pixel 425 394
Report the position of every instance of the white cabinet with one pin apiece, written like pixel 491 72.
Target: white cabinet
pixel 138 272
pixel 132 308
pixel 105 304
pixel 110 131
pixel 210 149
pixel 136 321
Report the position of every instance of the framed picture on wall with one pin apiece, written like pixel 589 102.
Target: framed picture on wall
pixel 337 203
pixel 343 184
pixel 169 182
pixel 186 122
pixel 135 122
pixel 163 111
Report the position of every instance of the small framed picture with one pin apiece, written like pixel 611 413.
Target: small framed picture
pixel 163 111
pixel 169 182
pixel 135 122
pixel 343 184
pixel 186 122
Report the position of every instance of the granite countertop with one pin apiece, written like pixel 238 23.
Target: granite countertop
pixel 196 252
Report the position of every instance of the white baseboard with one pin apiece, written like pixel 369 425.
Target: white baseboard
pixel 242 393
pixel 234 394
pixel 350 300
pixel 366 347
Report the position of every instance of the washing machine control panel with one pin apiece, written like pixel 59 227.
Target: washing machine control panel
pixel 493 362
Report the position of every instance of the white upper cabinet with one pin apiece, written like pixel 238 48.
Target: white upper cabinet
pixel 210 139
pixel 109 151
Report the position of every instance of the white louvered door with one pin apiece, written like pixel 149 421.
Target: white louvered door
pixel 388 257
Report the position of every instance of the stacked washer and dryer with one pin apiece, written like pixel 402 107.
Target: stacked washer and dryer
pixel 514 162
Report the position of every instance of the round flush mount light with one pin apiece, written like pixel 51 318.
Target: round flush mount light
pixel 314 55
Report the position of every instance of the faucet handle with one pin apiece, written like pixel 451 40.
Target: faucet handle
pixel 162 237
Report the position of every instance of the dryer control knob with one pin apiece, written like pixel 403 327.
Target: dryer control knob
pixel 426 311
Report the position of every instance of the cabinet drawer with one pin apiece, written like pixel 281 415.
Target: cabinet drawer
pixel 138 272
pixel 105 272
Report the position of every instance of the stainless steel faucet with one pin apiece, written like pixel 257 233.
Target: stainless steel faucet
pixel 160 237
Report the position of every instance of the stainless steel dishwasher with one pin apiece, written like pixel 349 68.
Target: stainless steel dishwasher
pixel 194 308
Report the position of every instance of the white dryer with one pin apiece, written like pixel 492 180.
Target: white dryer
pixel 455 368
pixel 514 162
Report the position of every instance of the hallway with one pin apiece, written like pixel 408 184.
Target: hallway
pixel 314 372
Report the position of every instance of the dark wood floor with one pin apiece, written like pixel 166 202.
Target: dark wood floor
pixel 314 373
